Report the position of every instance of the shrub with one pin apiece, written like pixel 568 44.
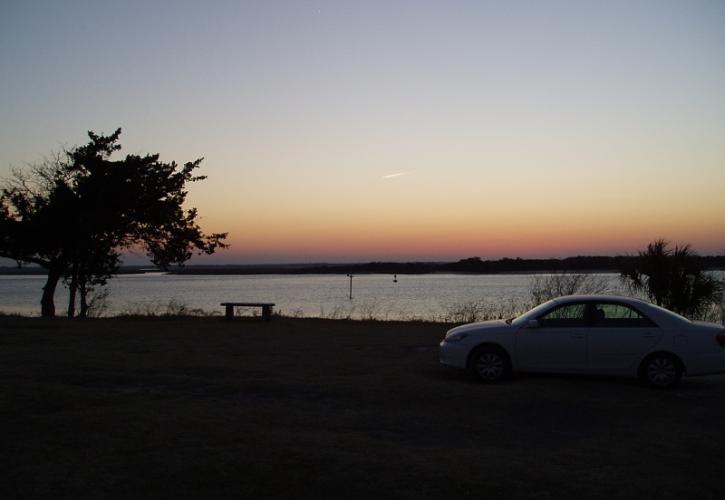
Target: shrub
pixel 673 278
pixel 550 286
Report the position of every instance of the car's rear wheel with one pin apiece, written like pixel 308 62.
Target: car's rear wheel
pixel 490 364
pixel 661 370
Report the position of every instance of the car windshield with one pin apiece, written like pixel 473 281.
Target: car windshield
pixel 533 313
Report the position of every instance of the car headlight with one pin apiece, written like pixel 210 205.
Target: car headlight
pixel 455 337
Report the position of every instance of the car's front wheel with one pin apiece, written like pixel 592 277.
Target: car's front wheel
pixel 490 364
pixel 661 370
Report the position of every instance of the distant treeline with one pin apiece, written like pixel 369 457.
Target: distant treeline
pixel 472 265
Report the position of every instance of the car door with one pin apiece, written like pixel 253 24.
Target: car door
pixel 618 337
pixel 557 343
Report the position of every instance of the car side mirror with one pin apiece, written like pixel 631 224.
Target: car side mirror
pixel 532 324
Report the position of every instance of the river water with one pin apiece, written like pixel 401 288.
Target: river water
pixel 379 296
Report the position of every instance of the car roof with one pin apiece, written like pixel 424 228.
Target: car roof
pixel 600 298
pixel 661 316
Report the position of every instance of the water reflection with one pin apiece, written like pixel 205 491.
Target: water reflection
pixel 376 296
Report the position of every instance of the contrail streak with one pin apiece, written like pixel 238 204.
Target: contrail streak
pixel 398 174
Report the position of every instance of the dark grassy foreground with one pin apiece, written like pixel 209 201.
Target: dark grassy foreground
pixel 190 408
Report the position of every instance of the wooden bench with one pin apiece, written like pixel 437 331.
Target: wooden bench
pixel 266 308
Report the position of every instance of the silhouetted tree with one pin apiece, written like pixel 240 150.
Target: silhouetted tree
pixel 92 266
pixel 672 278
pixel 74 214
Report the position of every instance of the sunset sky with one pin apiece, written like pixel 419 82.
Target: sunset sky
pixel 393 130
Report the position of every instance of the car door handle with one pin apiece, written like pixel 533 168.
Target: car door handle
pixel 648 335
pixel 577 335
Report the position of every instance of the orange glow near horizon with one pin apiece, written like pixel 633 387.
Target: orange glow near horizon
pixel 376 235
pixel 507 201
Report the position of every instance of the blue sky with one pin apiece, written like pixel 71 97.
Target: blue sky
pixel 519 126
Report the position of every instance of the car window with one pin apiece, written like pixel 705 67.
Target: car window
pixel 533 313
pixel 568 315
pixel 614 315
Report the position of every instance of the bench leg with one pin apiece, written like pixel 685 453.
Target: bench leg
pixel 267 313
pixel 229 313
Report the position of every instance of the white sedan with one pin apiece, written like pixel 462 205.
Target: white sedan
pixel 596 334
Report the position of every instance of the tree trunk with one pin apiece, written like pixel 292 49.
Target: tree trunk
pixel 83 291
pixel 84 304
pixel 72 288
pixel 47 305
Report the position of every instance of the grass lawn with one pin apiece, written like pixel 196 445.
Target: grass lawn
pixel 304 408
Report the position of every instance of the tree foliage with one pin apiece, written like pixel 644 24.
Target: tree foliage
pixel 672 278
pixel 77 212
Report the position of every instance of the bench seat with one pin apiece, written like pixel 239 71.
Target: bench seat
pixel 266 308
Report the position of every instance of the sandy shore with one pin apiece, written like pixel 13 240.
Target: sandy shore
pixel 304 408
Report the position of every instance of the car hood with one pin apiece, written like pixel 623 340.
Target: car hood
pixel 481 325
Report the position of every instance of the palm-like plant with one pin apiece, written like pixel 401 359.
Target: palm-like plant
pixel 672 278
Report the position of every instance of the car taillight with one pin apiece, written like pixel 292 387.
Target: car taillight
pixel 720 338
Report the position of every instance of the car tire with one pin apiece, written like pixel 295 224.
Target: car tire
pixel 489 364
pixel 661 371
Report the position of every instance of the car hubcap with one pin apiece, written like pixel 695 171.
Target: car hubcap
pixel 661 371
pixel 490 366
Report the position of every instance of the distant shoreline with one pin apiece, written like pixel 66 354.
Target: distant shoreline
pixel 473 265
